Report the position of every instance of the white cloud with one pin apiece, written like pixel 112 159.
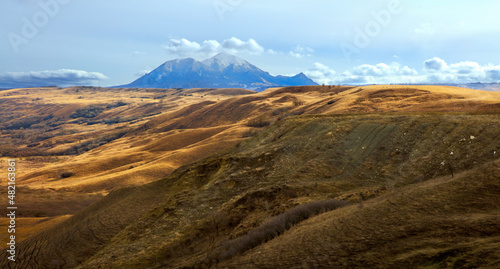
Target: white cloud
pixel 493 73
pixel 381 73
pixel 435 64
pixel 465 67
pixel 142 73
pixel 371 70
pixel 301 52
pixel 435 71
pixel 365 74
pixel 235 45
pixel 462 72
pixel 272 52
pixel 185 48
pixel 321 74
pixel 61 77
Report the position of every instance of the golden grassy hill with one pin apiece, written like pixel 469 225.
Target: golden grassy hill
pixel 422 186
pixel 71 143
pixel 138 141
pixel 242 158
pixel 442 223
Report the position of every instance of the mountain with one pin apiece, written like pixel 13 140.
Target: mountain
pixel 221 71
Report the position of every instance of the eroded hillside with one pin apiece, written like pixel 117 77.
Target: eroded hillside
pixel 185 219
pixel 370 146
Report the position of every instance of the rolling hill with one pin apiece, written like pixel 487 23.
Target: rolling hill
pixel 233 180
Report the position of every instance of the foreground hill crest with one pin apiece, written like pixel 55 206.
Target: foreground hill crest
pixel 221 71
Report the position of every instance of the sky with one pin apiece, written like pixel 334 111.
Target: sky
pixel 111 42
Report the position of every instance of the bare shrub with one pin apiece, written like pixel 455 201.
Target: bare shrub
pixel 280 111
pixel 66 174
pixel 277 226
pixel 117 104
pixel 259 122
pixel 23 123
pixel 88 112
pixel 298 102
pixel 249 133
pixel 94 143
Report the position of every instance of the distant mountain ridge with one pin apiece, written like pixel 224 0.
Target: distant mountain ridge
pixel 221 71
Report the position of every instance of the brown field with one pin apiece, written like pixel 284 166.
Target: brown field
pixel 197 168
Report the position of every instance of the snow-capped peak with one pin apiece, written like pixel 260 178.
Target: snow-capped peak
pixel 223 60
pixel 221 71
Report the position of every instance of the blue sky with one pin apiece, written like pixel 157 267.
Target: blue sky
pixel 110 42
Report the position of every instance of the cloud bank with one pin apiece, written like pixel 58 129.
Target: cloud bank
pixel 438 71
pixel 185 48
pixel 61 77
pixel 434 71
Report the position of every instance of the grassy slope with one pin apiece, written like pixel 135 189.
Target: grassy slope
pixel 352 156
pixel 56 133
pixel 298 160
pixel 442 223
pixel 192 127
pixel 293 162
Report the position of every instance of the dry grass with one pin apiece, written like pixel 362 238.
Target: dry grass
pixel 48 203
pixel 27 227
pixel 193 114
pixel 443 223
pixel 294 162
pixel 277 226
pixel 368 142
pixel 259 122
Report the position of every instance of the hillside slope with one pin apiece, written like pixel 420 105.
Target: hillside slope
pixel 443 223
pixel 187 128
pixel 186 219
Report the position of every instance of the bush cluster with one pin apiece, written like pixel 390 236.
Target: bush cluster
pixel 23 123
pixel 88 112
pixel 277 226
pixel 117 104
pixel 249 133
pixel 94 143
pixel 298 102
pixel 66 174
pixel 259 122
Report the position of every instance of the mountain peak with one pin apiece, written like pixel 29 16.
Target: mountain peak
pixel 223 60
pixel 221 71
